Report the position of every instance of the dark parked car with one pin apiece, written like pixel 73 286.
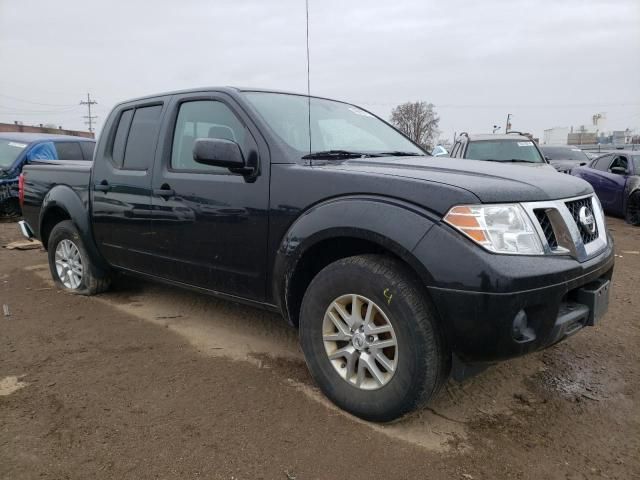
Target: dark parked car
pixel 17 149
pixel 564 159
pixel 508 148
pixel 397 268
pixel 615 177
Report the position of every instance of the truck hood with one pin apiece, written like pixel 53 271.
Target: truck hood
pixel 491 182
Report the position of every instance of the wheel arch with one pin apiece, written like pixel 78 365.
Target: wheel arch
pixel 63 203
pixel 341 228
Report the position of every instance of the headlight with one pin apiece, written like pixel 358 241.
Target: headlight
pixel 498 228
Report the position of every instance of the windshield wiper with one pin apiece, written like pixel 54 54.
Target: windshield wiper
pixel 329 154
pixel 397 153
pixel 511 160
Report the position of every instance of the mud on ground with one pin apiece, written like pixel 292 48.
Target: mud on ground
pixel 148 381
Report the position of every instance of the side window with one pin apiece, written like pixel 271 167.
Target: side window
pixel 87 149
pixel 602 163
pixel 142 138
pixel 620 162
pixel 120 139
pixel 68 150
pixel 203 119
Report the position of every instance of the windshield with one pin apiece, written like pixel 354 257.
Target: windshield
pixel 334 125
pixel 9 151
pixel 504 151
pixel 636 164
pixel 560 153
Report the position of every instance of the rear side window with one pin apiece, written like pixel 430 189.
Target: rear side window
pixel 134 143
pixel 120 139
pixel 143 134
pixel 87 149
pixel 69 151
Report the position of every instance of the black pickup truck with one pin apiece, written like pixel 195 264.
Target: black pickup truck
pixel 398 269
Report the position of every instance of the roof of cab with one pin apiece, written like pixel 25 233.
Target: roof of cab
pixel 474 137
pixel 227 89
pixel 36 137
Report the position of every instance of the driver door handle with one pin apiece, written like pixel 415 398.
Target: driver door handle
pixel 164 191
pixel 103 186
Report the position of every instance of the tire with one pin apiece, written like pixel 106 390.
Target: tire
pixel 632 211
pixel 66 246
pixel 419 361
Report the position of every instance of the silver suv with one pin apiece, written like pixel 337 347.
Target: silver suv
pixel 511 148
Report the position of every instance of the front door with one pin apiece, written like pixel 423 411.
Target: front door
pixel 121 186
pixel 210 225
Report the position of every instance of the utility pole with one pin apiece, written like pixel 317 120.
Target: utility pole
pixel 90 118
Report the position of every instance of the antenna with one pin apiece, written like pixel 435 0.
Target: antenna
pixel 308 76
pixel 90 118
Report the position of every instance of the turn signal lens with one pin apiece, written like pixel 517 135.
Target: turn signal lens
pixel 498 228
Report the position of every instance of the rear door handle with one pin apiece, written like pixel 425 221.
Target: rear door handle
pixel 103 186
pixel 164 191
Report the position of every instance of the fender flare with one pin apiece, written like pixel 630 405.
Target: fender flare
pixel 76 206
pixel 394 225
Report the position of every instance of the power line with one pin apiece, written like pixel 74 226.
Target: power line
pixel 504 106
pixel 90 118
pixel 20 111
pixel 36 103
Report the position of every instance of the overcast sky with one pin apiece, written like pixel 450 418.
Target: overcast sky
pixel 549 63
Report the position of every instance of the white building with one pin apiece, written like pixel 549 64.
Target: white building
pixel 556 136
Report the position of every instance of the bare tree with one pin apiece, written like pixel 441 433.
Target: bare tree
pixel 418 121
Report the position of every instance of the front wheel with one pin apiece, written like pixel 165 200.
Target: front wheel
pixel 632 212
pixel 370 338
pixel 69 262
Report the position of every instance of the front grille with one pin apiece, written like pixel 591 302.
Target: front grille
pixel 574 208
pixel 547 228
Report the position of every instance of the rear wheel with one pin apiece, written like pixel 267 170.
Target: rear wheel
pixel 370 338
pixel 632 212
pixel 69 262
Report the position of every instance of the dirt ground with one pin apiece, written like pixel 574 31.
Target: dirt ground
pixel 148 381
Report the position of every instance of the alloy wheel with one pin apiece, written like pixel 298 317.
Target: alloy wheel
pixel 69 264
pixel 360 342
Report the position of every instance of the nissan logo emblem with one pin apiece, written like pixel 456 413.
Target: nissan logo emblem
pixel 587 221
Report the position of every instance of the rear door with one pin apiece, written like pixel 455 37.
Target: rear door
pixel 121 185
pixel 210 225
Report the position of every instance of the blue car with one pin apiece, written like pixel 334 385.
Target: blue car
pixel 17 149
pixel 615 177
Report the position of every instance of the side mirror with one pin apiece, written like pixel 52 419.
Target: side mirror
pixel 220 153
pixel 618 170
pixel 547 158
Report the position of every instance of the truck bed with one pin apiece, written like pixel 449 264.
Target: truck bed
pixel 41 177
